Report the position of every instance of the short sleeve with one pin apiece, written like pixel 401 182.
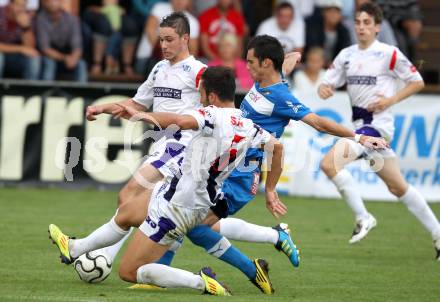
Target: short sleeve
pixel 145 94
pixel 205 117
pixel 291 108
pixel 335 74
pixel 402 68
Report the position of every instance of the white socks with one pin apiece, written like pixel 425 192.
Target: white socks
pixel 417 205
pixel 106 235
pixel 113 250
pixel 166 276
pixel 237 229
pixel 346 186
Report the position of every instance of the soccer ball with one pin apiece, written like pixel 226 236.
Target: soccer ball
pixel 93 267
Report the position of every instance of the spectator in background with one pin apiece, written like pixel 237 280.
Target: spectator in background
pixel 286 27
pixel 229 57
pixel 141 9
pixel 406 18
pixel 18 55
pixel 199 6
pixel 326 30
pixel 108 40
pixel 386 34
pixel 303 8
pixel 307 81
pixel 115 15
pixel 31 6
pixel 59 40
pixel 216 21
pixel 145 56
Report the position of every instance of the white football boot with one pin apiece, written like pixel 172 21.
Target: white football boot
pixel 363 226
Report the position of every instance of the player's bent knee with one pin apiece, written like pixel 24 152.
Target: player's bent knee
pixel 398 190
pixel 327 166
pixel 128 275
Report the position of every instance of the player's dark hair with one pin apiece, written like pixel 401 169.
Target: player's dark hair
pixel 178 21
pixel 267 47
pixel 373 9
pixel 283 5
pixel 221 81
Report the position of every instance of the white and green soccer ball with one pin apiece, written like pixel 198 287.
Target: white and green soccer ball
pixel 93 267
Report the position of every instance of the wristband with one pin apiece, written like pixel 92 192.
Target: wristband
pixel 357 138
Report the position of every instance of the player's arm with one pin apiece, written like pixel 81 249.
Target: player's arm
pixel 162 119
pixel 328 126
pixel 94 110
pixel 275 168
pixel 334 78
pixel 383 102
pixel 290 61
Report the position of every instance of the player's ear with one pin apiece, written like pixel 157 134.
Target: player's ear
pixel 186 37
pixel 266 62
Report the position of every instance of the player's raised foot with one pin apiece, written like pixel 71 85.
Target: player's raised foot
pixel 286 245
pixel 437 249
pixel 62 242
pixel 262 280
pixel 363 226
pixel 212 286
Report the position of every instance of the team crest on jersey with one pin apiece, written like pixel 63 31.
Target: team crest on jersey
pixel 186 68
pixel 378 54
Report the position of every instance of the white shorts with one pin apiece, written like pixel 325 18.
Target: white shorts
pixel 365 153
pixel 167 222
pixel 167 157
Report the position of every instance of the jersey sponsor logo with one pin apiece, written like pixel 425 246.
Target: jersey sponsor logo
pixel 254 97
pixel 166 92
pixel 259 103
pixel 361 80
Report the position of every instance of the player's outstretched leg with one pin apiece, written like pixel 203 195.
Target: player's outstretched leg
pixel 279 236
pixel 70 248
pixel 218 246
pixel 137 267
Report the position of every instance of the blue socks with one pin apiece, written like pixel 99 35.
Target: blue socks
pixel 167 258
pixel 220 247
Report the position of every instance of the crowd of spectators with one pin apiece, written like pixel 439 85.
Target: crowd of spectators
pixel 44 40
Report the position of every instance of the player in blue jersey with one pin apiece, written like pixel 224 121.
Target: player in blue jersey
pixel 270 105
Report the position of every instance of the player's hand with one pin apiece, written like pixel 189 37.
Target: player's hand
pixel 380 104
pixel 290 61
pixel 375 143
pixel 325 91
pixel 275 206
pixel 92 112
pixel 124 111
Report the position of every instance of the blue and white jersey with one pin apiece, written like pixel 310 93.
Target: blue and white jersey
pixel 272 108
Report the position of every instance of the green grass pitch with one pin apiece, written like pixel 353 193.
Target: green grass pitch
pixel 395 263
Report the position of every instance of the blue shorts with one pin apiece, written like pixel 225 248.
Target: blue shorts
pixel 240 188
